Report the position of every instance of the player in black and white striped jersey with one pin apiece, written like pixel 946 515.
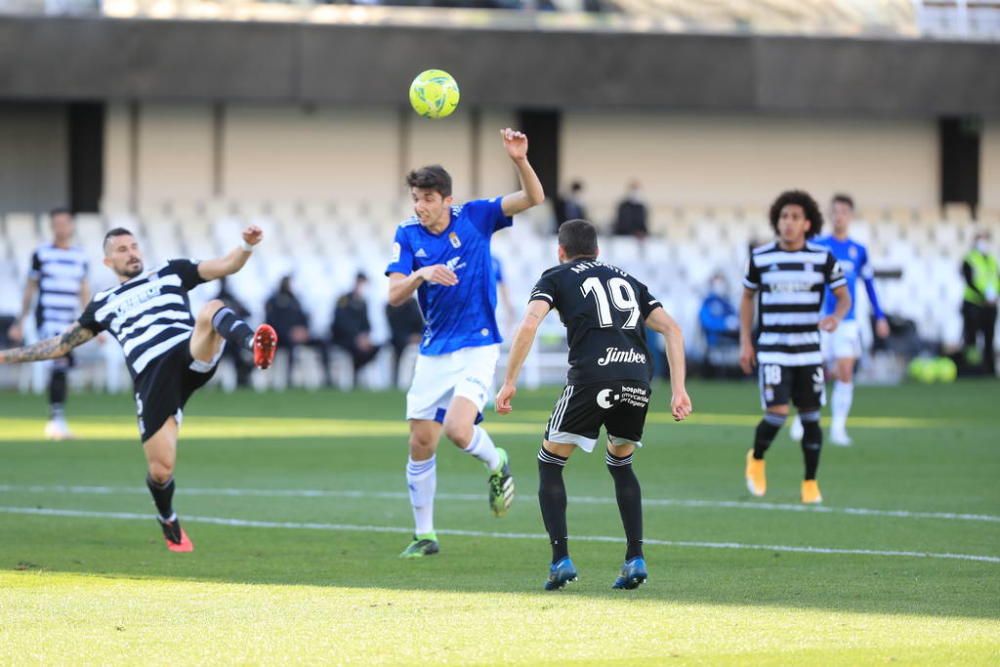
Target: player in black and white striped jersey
pixel 58 276
pixel 788 277
pixel 169 353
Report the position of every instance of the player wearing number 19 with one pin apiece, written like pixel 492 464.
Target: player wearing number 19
pixel 604 309
pixel 169 353
pixel 788 277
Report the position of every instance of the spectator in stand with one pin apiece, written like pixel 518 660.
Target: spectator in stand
pixel 242 359
pixel 632 216
pixel 351 327
pixel 406 324
pixel 570 206
pixel 720 324
pixel 285 313
pixel 979 304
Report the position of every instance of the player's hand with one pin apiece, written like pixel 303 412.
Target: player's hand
pixel 439 274
pixel 747 358
pixel 882 328
pixel 15 333
pixel 515 142
pixel 253 235
pixel 680 405
pixel 504 397
pixel 829 323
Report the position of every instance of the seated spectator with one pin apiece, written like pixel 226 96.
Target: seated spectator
pixel 351 328
pixel 570 205
pixel 720 323
pixel 406 324
pixel 285 313
pixel 632 216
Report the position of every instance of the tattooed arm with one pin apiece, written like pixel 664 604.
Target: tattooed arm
pixel 48 349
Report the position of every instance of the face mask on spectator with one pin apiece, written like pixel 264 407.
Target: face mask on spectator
pixel 718 287
pixel 983 246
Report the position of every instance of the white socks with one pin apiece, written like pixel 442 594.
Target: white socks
pixel 840 405
pixel 421 478
pixel 482 448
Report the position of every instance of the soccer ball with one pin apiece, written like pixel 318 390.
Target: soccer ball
pixel 434 94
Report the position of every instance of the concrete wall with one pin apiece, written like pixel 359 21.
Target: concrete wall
pixel 286 153
pixel 34 157
pixel 747 159
pixel 989 170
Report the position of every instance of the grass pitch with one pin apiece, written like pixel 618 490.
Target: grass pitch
pixel 297 506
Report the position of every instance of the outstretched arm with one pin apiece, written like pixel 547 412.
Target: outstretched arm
pixel 531 192
pixel 213 269
pixel 48 349
pixel 519 349
pixel 660 321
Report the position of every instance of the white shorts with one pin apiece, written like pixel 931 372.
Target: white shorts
pixel 844 343
pixel 439 378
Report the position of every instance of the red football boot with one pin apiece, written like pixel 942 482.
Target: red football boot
pixel 265 344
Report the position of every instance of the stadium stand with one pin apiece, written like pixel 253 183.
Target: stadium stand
pixel 690 243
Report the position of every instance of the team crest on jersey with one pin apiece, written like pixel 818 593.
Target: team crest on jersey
pixel 455 241
pixel 853 252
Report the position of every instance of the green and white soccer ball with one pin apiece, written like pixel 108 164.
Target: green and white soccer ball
pixel 434 94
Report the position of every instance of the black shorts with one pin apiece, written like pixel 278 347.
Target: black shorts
pixel 618 405
pixel 164 388
pixel 805 386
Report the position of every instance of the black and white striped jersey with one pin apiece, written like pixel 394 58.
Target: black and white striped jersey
pixel 790 286
pixel 149 315
pixel 60 273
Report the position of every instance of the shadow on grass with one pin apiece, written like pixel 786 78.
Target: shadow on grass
pixel 678 575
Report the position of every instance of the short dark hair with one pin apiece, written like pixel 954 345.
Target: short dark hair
pixel 578 238
pixel 809 207
pixel 432 177
pixel 117 231
pixel 841 198
pixel 59 210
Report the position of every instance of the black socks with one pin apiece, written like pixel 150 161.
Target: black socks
pixel 163 495
pixel 552 500
pixel 767 429
pixel 629 497
pixel 57 393
pixel 232 328
pixel 812 441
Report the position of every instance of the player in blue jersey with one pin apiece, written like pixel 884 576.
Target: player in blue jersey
pixel 443 254
pixel 843 347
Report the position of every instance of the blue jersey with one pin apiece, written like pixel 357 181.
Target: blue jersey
pixel 853 258
pixel 462 315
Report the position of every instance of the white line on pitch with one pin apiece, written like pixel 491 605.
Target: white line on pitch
pixel 344 527
pixel 583 500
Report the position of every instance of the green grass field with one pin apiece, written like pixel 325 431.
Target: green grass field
pixel 296 503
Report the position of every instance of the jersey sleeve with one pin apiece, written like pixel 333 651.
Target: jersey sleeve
pixel 88 318
pixel 833 272
pixel 402 255
pixel 487 215
pixel 545 290
pixel 868 275
pixel 751 280
pixel 35 272
pixel 187 269
pixel 647 302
